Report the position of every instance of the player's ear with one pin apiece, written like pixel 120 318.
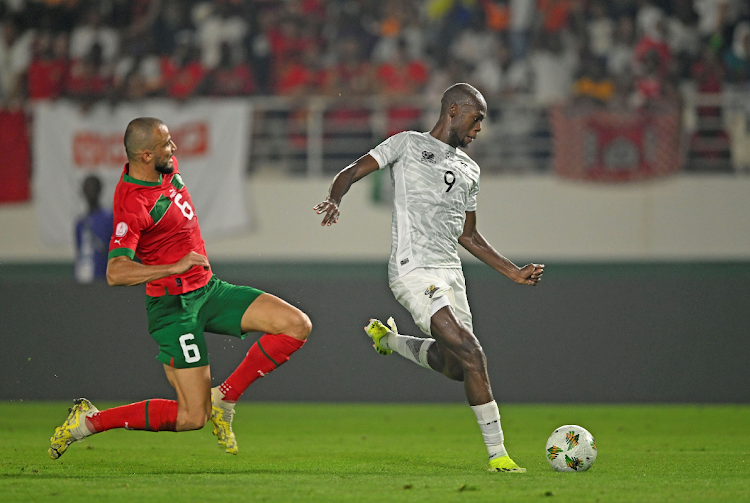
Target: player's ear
pixel 453 110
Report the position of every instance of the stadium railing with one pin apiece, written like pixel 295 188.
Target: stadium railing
pixel 316 136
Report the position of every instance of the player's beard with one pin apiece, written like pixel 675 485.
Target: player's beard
pixel 165 168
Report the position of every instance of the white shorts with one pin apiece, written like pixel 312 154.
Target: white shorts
pixel 424 291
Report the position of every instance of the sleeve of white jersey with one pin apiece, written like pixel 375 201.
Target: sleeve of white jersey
pixel 390 150
pixel 471 204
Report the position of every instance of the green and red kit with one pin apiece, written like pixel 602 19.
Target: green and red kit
pixel 156 222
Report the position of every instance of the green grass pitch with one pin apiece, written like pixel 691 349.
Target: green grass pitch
pixel 357 452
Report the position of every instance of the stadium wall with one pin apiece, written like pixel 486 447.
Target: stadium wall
pixel 615 332
pixel 542 218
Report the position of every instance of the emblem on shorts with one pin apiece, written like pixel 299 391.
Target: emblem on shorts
pixel 405 261
pixel 430 291
pixel 178 281
pixel 121 229
pixel 428 157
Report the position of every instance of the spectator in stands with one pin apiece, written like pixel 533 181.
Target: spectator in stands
pixel 172 18
pixel 137 74
pixel 500 75
pixel 182 73
pixel 474 44
pixel 552 69
pixel 352 75
pixel 47 72
pixel 232 77
pixel 554 14
pixel 89 79
pixel 594 86
pixel 620 57
pixel 682 37
pixel 402 76
pixel 601 30
pixel 497 15
pixel 15 57
pixel 715 17
pixel 93 232
pixel 652 42
pixel 399 79
pixel 649 83
pixel 300 74
pixel 94 32
pixel 737 57
pixel 522 16
pixel 225 25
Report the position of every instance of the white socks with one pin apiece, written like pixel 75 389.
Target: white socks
pixel 412 348
pixel 488 418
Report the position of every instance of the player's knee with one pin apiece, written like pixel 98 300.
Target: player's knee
pixel 194 421
pixel 300 326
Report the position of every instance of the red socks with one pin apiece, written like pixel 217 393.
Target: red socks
pixel 161 415
pixel 153 415
pixel 265 355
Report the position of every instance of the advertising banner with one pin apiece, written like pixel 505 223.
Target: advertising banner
pixel 212 138
pixel 615 146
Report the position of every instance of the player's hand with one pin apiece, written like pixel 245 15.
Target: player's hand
pixel 530 274
pixel 189 261
pixel 331 210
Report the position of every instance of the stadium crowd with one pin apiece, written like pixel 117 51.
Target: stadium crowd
pixel 626 50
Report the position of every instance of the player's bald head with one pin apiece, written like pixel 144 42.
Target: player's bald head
pixel 139 135
pixel 461 94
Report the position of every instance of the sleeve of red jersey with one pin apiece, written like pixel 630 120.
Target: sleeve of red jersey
pixel 128 225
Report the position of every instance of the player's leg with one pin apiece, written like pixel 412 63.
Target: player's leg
pixel 285 330
pixel 182 350
pixel 238 310
pixel 190 412
pixel 459 355
pixel 193 387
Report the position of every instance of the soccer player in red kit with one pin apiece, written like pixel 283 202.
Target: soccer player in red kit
pixel 155 220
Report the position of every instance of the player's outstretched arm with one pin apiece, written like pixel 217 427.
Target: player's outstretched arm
pixel 122 271
pixel 340 186
pixel 475 243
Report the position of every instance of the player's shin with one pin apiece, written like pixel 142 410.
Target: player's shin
pixel 152 415
pixel 411 348
pixel 488 418
pixel 264 356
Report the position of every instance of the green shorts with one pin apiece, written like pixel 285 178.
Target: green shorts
pixel 177 322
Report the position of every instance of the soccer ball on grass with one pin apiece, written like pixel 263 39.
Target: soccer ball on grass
pixel 571 448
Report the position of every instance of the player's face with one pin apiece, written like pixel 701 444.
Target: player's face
pixel 468 123
pixel 163 151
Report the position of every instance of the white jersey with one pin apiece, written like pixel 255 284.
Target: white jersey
pixel 434 185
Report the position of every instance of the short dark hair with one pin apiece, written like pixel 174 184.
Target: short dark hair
pixel 138 135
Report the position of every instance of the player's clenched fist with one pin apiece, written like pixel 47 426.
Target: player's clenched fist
pixel 189 261
pixel 530 274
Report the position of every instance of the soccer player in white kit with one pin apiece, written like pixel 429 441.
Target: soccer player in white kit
pixel 435 199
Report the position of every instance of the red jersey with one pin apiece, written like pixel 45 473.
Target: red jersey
pixel 156 222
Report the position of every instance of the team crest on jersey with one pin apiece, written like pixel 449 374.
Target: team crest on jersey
pixel 428 157
pixel 121 229
pixel 430 291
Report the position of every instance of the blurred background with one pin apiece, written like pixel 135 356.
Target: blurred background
pixel 616 150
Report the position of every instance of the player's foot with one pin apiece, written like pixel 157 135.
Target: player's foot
pixel 222 414
pixel 74 428
pixel 504 464
pixel 376 331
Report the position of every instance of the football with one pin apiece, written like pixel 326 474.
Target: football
pixel 571 448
